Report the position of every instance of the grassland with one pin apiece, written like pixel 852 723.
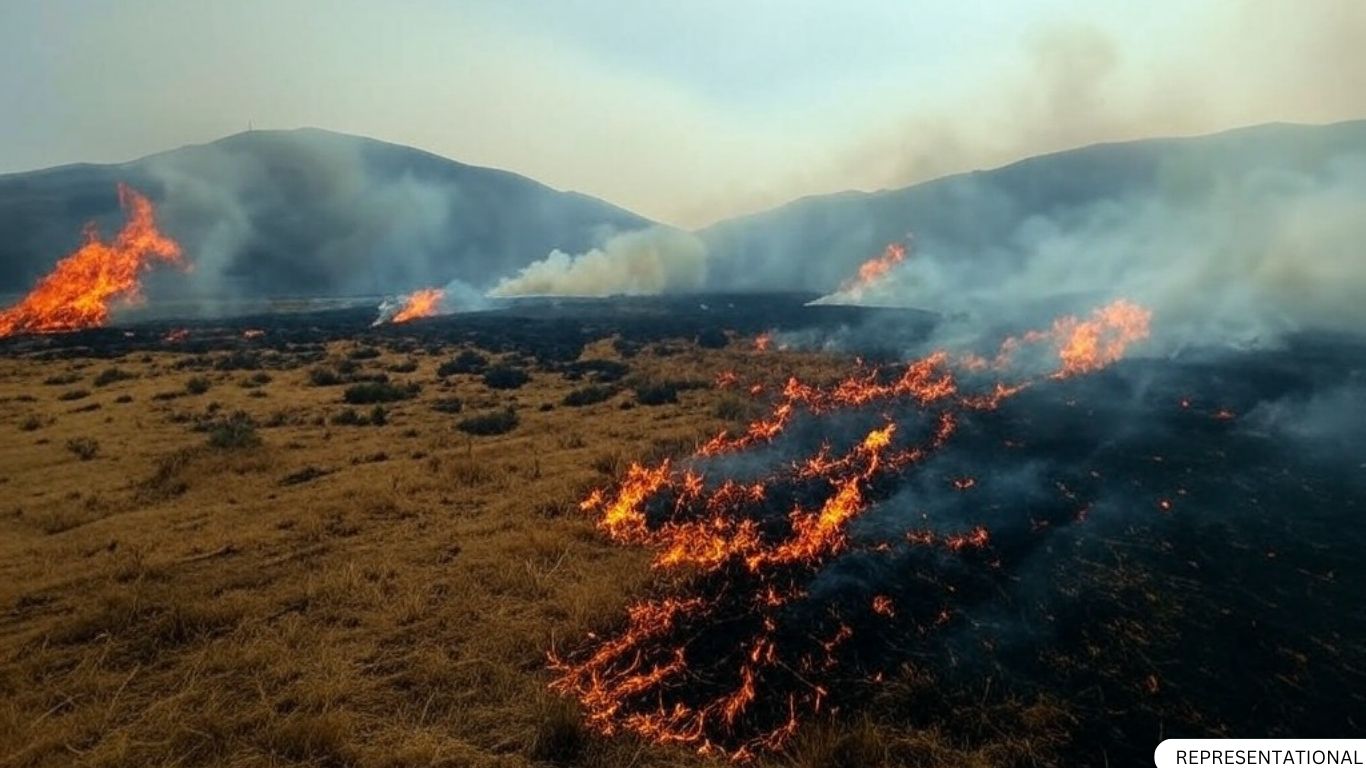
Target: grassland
pixel 204 563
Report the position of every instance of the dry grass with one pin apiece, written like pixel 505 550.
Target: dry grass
pixel 378 595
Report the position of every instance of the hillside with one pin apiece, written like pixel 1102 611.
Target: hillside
pixel 311 212
pixel 988 214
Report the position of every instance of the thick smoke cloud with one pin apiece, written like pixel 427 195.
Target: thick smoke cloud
pixel 645 262
pixel 1242 260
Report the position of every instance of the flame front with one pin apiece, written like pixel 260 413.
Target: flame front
pixel 731 658
pixel 80 289
pixel 423 303
pixel 873 270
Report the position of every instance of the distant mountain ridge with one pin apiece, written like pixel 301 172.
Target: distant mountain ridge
pixel 310 212
pixel 307 212
pixel 980 214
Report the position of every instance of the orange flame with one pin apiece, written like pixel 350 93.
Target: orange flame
pixel 728 534
pixel 77 293
pixel 422 303
pixel 874 269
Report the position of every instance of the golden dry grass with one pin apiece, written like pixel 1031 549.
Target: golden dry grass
pixel 336 595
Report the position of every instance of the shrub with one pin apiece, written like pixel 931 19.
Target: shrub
pixel 593 393
pixel 84 447
pixel 378 392
pixel 468 361
pixel 657 393
pixel 407 366
pixel 73 394
pixel 323 377
pixel 378 416
pixel 364 353
pixel 448 405
pixel 197 385
pixel 491 423
pixel 505 377
pixel 257 379
pixel 602 371
pixel 62 379
pixel 234 432
pixel 31 423
pixel 110 375
pixel 347 417
pixel 124 399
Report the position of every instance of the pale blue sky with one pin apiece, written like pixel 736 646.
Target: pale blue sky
pixel 684 111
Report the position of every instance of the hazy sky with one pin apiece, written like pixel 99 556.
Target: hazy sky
pixel 686 112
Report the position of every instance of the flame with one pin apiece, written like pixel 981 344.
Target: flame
pixel 422 303
pixel 763 341
pixel 713 666
pixel 874 270
pixel 77 293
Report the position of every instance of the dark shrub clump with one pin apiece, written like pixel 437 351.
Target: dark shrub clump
pixel 593 393
pixel 657 393
pixel 110 375
pixel 197 385
pixel 324 377
pixel 491 423
pixel 84 447
pixel 448 405
pixel 505 377
pixel 468 361
pixel 234 432
pixel 378 392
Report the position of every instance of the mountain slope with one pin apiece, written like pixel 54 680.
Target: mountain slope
pixel 815 242
pixel 306 212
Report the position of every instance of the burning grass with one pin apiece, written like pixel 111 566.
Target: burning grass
pixel 386 596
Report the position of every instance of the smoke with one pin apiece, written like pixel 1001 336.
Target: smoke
pixel 645 262
pixel 454 297
pixel 1242 259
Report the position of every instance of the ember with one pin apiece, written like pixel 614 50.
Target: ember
pixel 733 661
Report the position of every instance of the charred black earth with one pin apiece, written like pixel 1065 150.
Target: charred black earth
pixel 1176 543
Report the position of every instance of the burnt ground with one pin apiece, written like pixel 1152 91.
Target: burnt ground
pixel 1175 547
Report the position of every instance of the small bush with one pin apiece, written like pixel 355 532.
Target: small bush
pixel 324 377
pixel 73 394
pixel 364 353
pixel 491 423
pixel 110 375
pixel 657 393
pixel 378 416
pixel 593 393
pixel 468 361
pixel 31 423
pixel 448 405
pixel 124 399
pixel 197 385
pixel 347 417
pixel 258 379
pixel 505 377
pixel 62 379
pixel 407 366
pixel 234 432
pixel 378 392
pixel 84 447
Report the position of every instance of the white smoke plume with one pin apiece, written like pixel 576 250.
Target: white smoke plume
pixel 644 262
pixel 1258 257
